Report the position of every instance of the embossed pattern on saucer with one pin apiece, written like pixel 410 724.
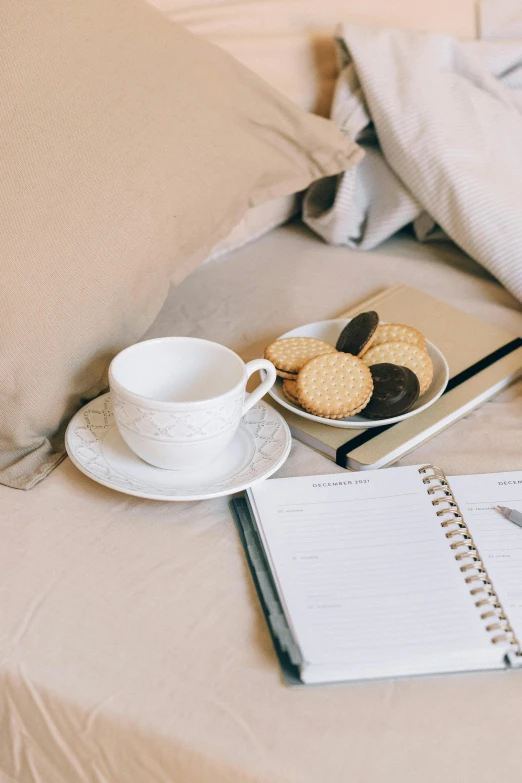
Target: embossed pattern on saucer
pixel 260 446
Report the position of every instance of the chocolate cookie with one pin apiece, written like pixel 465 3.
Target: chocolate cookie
pixel 358 334
pixel 395 391
pixel 405 355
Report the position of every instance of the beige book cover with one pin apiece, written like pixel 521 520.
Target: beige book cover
pixel 482 358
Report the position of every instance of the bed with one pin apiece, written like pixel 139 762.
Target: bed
pixel 132 643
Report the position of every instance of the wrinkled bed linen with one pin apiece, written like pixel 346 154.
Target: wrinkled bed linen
pixel 441 123
pixel 132 645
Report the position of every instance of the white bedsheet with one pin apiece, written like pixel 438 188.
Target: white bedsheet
pixel 441 122
pixel 132 645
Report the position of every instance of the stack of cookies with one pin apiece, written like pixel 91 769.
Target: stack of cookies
pixel 379 370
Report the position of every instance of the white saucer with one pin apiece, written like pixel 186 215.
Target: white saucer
pixel 260 446
pixel 330 331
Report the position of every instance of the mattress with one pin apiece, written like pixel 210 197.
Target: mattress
pixel 132 645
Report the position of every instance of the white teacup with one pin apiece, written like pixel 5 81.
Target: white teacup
pixel 178 401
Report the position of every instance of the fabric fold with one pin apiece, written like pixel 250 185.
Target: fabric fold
pixel 441 124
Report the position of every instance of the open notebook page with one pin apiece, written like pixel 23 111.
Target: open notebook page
pixel 367 580
pixel 499 541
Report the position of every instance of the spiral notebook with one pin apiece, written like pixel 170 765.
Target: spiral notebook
pixel 394 573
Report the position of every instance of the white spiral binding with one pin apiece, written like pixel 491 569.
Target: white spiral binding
pixel 467 555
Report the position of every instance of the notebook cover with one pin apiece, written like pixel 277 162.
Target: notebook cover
pixel 284 645
pixel 480 358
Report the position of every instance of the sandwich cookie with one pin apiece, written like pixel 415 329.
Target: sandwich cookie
pixel 289 354
pixel 290 391
pixel 387 333
pixel 358 334
pixel 334 385
pixel 395 391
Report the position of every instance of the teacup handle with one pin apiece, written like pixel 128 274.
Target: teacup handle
pixel 252 367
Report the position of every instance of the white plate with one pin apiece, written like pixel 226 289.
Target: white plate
pixel 330 331
pixel 260 446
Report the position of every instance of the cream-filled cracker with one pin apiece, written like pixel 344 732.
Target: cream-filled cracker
pixel 334 385
pixel 387 333
pixel 290 391
pixel 289 354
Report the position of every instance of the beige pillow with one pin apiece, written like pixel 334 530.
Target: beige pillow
pixel 287 42
pixel 129 148
pixel 256 222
